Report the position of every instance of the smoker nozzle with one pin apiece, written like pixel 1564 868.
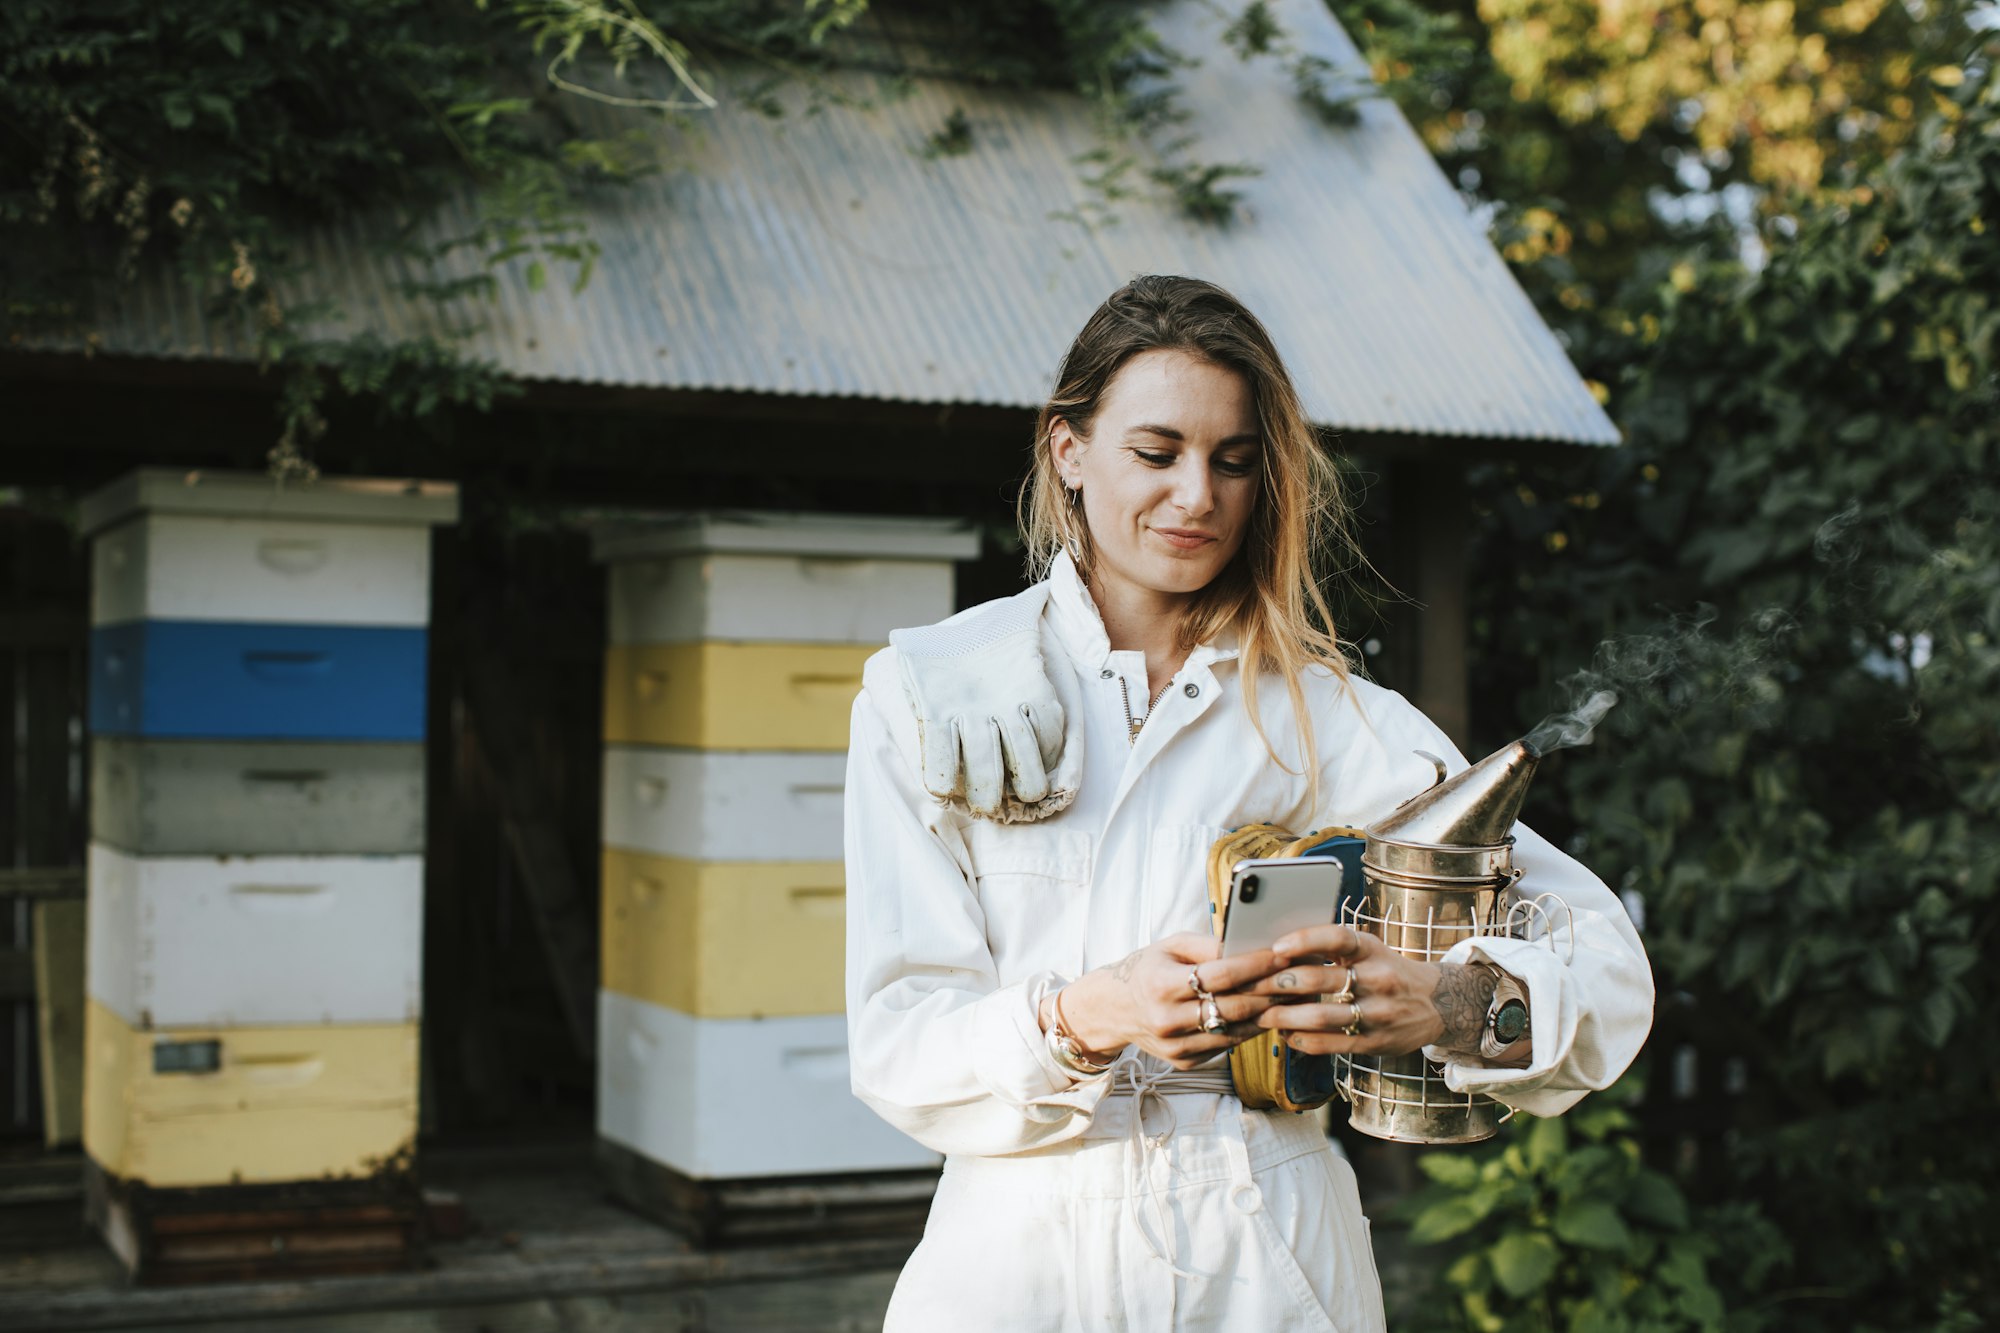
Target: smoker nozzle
pixel 1473 808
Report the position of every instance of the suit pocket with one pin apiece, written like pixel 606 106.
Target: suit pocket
pixel 1177 878
pixel 1032 883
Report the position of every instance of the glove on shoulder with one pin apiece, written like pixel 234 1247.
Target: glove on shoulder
pixel 999 738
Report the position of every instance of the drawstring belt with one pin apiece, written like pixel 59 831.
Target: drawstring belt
pixel 1130 1078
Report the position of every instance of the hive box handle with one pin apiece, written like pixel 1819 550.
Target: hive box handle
pixel 285 777
pixel 820 1062
pixel 289 898
pixel 285 667
pixel 280 1071
pixel 819 900
pixel 292 555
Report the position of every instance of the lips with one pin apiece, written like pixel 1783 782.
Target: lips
pixel 1187 539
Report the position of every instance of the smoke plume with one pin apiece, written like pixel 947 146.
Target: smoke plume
pixel 1563 730
pixel 1677 667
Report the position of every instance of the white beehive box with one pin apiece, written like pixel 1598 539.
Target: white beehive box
pixel 724 805
pixel 192 545
pixel 779 578
pixel 205 941
pixel 190 798
pixel 723 1098
pixel 201 567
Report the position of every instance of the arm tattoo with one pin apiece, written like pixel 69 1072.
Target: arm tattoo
pixel 1123 970
pixel 1462 997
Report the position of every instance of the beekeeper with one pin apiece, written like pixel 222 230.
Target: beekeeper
pixel 1034 989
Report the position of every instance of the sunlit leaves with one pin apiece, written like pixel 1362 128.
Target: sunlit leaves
pixel 1780 81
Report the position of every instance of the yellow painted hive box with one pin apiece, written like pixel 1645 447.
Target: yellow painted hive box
pixel 725 939
pixel 224 1106
pixel 732 696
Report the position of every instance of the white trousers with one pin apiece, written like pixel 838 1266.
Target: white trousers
pixel 1253 1207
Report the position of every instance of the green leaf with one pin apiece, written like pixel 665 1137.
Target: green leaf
pixel 1590 1317
pixel 1456 1169
pixel 1523 1262
pixel 1591 1224
pixel 1468 1273
pixel 219 107
pixel 1683 1267
pixel 1949 962
pixel 232 41
pixel 1452 1217
pixel 538 276
pixel 1545 1141
pixel 1653 1199
pixel 1935 1017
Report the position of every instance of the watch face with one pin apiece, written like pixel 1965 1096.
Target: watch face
pixel 1511 1023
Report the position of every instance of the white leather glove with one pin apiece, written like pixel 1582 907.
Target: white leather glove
pixel 989 720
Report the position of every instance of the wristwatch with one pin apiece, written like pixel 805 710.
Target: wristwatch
pixel 1505 1038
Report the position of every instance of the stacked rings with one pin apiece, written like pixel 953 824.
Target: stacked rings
pixel 1345 995
pixel 1211 1014
pixel 1353 1028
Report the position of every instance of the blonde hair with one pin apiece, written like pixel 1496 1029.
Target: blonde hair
pixel 1269 594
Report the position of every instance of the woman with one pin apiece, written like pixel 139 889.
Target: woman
pixel 1042 1000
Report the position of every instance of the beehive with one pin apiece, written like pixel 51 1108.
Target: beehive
pixel 257 714
pixel 736 648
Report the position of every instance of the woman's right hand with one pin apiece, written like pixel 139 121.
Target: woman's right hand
pixel 1145 1001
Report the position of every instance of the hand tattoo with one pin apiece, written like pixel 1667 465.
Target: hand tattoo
pixel 1123 969
pixel 1462 997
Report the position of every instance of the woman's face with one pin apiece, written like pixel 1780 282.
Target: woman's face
pixel 1169 476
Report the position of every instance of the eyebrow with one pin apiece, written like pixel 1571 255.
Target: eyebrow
pixel 1169 433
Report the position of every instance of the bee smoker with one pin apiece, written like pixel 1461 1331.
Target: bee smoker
pixel 1437 870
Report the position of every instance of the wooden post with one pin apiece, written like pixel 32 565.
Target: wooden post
pixel 1431 515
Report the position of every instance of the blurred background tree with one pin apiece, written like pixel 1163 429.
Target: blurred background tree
pixel 1767 233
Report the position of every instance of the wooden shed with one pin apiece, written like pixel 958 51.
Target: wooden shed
pixel 809 314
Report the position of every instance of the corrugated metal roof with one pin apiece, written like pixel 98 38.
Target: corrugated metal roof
pixel 825 254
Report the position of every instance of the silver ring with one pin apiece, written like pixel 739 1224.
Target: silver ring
pixel 1353 1028
pixel 1201 992
pixel 1211 1015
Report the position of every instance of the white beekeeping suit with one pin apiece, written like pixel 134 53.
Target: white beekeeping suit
pixel 1055 1210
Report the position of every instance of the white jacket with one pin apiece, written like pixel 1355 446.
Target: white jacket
pixel 957 927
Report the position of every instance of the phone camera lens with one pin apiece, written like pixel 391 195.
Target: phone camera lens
pixel 1248 893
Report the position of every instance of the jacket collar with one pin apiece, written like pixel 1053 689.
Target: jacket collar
pixel 1079 627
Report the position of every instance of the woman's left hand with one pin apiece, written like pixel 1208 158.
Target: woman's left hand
pixel 1399 1004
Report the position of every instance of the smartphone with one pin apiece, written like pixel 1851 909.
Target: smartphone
pixel 1273 897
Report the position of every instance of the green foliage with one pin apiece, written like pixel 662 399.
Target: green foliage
pixel 1598 133
pixel 1559 1225
pixel 1110 51
pixel 954 139
pixel 1792 573
pixel 1199 190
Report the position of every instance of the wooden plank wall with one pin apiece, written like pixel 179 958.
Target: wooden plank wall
pixel 44 644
